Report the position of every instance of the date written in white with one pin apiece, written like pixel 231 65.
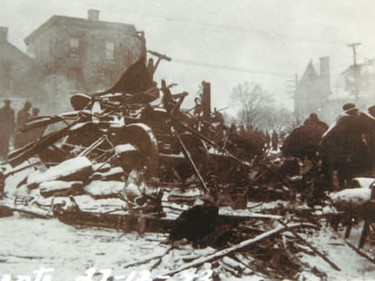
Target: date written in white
pixel 92 274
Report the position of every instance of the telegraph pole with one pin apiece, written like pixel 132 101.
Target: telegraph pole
pixel 353 46
pixel 294 95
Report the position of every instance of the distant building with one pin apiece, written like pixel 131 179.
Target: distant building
pixel 18 72
pixel 359 82
pixel 83 54
pixel 312 91
pixel 355 85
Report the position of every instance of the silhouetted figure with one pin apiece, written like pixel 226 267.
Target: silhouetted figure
pixel 303 142
pixel 371 110
pixel 242 131
pixel 371 140
pixel 23 116
pixel 274 140
pixel 344 148
pixel 216 116
pixel 231 136
pixel 6 128
pixel 267 140
pixel 198 110
pixel 315 123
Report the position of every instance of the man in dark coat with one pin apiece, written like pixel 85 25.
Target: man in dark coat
pixel 6 128
pixel 274 140
pixel 303 142
pixel 344 148
pixel 23 116
pixel 371 140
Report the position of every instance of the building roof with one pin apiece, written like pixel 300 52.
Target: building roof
pixel 310 73
pixel 80 22
pixel 351 69
pixel 8 52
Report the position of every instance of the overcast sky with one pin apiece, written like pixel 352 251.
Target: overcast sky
pixel 225 42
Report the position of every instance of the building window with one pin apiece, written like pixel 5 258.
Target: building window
pixel 109 50
pixel 74 45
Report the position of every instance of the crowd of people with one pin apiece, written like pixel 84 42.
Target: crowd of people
pixel 10 125
pixel 343 151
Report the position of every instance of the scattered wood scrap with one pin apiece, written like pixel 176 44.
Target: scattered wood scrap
pixel 237 247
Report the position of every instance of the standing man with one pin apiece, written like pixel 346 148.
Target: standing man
pixel 6 128
pixel 267 140
pixel 304 141
pixel 23 115
pixel 275 140
pixel 344 148
pixel 371 140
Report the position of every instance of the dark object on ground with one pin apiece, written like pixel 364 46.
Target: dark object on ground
pixel 195 223
pixel 5 211
pixel 237 247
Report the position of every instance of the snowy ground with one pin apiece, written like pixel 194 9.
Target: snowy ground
pixel 66 253
pixel 31 244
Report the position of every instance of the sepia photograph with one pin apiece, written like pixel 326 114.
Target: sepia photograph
pixel 187 140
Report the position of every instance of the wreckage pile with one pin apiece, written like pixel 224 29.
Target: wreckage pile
pixel 129 160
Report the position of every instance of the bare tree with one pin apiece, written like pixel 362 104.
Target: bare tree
pixel 250 97
pixel 273 117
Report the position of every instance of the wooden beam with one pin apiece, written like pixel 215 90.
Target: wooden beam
pixel 314 249
pixel 234 248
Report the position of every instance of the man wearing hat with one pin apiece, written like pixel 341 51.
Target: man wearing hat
pixel 303 141
pixel 371 111
pixel 6 128
pixel 349 108
pixel 343 147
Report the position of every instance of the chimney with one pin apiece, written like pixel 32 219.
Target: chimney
pixel 324 66
pixel 93 15
pixel 3 34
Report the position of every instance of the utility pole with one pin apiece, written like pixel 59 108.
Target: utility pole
pixel 353 46
pixel 294 95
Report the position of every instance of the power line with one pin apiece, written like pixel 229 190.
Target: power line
pixel 230 28
pixel 252 31
pixel 230 68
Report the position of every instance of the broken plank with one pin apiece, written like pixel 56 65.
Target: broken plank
pixel 243 244
pixel 34 213
pixel 360 252
pixel 314 249
pixel 248 215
